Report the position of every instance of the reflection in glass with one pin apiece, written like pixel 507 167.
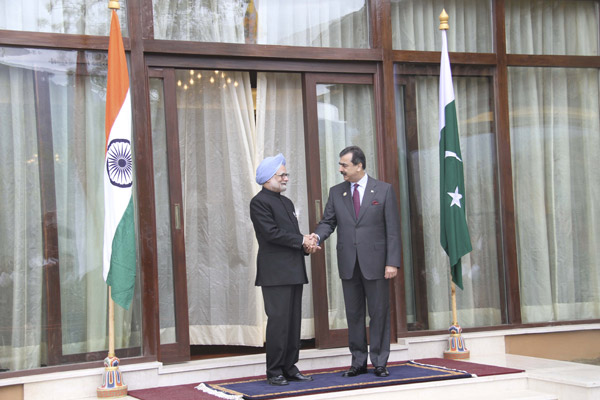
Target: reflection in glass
pixel 77 17
pixel 336 23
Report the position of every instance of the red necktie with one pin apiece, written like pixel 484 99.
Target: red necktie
pixel 356 200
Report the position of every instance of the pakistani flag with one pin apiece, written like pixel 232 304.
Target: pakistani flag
pixel 454 233
pixel 119 235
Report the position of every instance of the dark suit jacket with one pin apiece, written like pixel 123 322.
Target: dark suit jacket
pixel 374 237
pixel 280 258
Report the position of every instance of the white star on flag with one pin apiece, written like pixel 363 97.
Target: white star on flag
pixel 455 197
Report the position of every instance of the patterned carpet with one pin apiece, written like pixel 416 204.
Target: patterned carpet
pixel 327 380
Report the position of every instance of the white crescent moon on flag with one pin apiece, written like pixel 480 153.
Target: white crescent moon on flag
pixel 452 154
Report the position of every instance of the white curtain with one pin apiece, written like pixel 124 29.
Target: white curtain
pixel 337 23
pixel 415 25
pixel 479 303
pixel 221 146
pixel 568 27
pixel 217 136
pixel 554 123
pixel 78 17
pixel 21 276
pixel 76 104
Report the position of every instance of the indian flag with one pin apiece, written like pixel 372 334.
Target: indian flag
pixel 119 233
pixel 454 233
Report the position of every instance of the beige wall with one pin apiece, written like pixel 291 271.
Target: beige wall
pixel 11 392
pixel 566 346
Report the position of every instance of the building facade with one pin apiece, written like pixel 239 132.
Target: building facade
pixel 216 86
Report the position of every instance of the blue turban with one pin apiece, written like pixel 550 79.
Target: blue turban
pixel 268 167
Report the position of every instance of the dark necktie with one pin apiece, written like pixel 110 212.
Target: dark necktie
pixel 356 200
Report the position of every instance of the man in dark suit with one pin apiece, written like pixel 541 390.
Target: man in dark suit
pixel 365 212
pixel 281 271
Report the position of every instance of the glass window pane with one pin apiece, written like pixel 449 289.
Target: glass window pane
pixel 73 115
pixel 77 17
pixel 217 133
pixel 479 303
pixel 336 23
pixel 554 125
pixel 228 121
pixel 346 115
pixel 415 25
pixel 405 216
pixel 163 213
pixel 280 124
pixel 561 27
pixel 21 273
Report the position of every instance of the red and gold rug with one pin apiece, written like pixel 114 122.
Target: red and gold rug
pixel 327 380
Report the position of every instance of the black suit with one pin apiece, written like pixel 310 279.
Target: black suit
pixel 281 272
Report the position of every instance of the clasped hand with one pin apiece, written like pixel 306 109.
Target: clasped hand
pixel 311 243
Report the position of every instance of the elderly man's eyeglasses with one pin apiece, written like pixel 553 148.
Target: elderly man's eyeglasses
pixel 283 175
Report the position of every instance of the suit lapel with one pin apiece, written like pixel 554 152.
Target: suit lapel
pixel 367 197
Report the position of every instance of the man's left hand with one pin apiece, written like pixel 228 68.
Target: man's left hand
pixel 390 272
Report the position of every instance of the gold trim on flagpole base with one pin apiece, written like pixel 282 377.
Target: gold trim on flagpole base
pixel 112 385
pixel 112 380
pixel 457 350
pixel 114 5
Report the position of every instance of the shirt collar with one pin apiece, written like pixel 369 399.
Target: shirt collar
pixel 362 182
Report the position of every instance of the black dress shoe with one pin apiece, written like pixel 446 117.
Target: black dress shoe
pixel 353 371
pixel 381 372
pixel 299 377
pixel 278 380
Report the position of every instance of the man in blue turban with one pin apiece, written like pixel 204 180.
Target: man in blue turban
pixel 280 271
pixel 269 167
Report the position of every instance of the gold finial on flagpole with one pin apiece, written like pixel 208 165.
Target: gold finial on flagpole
pixel 114 5
pixel 444 20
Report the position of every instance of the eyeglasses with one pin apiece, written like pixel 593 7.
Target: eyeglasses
pixel 283 175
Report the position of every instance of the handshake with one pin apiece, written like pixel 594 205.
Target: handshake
pixel 311 243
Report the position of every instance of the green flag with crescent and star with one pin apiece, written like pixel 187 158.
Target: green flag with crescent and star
pixel 454 233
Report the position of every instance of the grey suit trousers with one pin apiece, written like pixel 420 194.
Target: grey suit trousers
pixel 376 293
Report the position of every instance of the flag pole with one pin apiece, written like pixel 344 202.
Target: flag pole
pixel 112 380
pixel 456 344
pixel 111 324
